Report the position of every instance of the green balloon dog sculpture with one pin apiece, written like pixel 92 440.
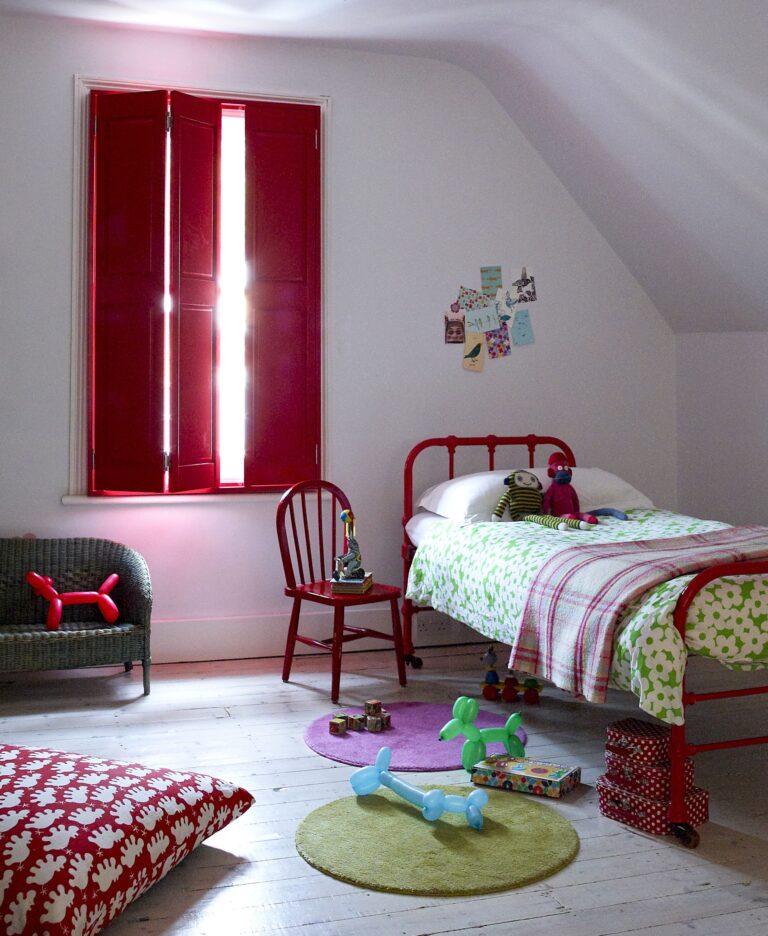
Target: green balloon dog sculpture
pixel 465 712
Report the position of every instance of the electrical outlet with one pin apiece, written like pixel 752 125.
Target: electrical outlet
pixel 433 628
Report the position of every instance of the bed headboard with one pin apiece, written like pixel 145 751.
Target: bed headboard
pixel 451 445
pixel 490 442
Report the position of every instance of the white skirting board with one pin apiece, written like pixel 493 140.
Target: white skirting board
pixel 234 638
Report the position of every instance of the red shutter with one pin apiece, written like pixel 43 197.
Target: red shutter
pixel 283 252
pixel 128 258
pixel 195 145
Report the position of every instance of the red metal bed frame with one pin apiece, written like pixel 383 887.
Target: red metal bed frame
pixel 679 747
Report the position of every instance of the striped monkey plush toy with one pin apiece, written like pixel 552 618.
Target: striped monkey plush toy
pixel 523 499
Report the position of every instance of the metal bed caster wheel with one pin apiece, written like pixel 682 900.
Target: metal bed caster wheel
pixel 685 834
pixel 414 661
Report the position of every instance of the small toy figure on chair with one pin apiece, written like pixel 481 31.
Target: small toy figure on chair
pixel 348 575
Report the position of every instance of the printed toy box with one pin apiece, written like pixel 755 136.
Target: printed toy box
pixel 525 775
pixel 644 813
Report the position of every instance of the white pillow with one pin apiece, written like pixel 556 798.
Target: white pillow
pixel 468 497
pixel 598 488
pixel 473 496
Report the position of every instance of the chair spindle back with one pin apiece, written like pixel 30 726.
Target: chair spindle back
pixel 309 530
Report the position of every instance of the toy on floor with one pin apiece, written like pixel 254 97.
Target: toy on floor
pixel 509 692
pixel 43 586
pixel 375 718
pixel 523 499
pixel 561 499
pixel 523 775
pixel 490 658
pixel 432 803
pixel 465 712
pixel 512 689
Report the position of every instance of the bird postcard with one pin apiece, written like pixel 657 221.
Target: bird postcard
pixel 474 350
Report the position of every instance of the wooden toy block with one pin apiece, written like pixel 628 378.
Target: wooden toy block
pixel 373 707
pixel 337 726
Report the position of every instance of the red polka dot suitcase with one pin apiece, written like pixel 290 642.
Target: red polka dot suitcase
pixel 640 741
pixel 649 779
pixel 642 812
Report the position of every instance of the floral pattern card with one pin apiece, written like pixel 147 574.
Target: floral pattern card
pixel 497 342
pixel 471 299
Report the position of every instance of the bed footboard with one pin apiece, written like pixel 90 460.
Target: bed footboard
pixel 679 747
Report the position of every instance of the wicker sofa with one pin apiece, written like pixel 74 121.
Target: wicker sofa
pixel 84 638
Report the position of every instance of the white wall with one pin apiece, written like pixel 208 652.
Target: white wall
pixel 427 180
pixel 723 430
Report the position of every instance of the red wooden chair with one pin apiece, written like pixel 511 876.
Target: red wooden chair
pixel 310 537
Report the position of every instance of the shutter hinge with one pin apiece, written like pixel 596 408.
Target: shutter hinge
pixel 168 121
pixel 95 124
pixel 166 461
pixel 317 454
pixel 316 132
pixel 93 459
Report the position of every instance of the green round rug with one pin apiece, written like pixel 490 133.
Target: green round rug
pixel 383 843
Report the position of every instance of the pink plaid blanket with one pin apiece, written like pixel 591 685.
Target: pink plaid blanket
pixel 577 597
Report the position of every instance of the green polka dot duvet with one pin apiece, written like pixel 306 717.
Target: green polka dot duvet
pixel 480 573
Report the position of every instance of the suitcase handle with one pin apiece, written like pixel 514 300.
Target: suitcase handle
pixel 628 746
pixel 624 805
pixel 630 774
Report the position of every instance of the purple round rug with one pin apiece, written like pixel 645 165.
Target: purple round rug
pixel 413 737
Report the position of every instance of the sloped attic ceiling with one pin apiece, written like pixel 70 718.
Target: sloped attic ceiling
pixel 653 114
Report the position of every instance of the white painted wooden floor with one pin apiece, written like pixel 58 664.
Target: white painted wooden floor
pixel 239 721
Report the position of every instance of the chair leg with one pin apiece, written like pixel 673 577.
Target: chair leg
pixel 338 643
pixel 145 668
pixel 290 643
pixel 408 628
pixel 128 665
pixel 398 635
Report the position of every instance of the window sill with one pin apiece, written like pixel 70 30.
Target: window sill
pixel 141 500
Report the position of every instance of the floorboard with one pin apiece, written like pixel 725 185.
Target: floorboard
pixel 238 720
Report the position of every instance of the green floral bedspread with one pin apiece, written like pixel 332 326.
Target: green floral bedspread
pixel 478 573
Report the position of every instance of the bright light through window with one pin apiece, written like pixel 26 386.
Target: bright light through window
pixel 167 309
pixel 232 307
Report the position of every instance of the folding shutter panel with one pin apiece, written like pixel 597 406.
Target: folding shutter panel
pixel 195 144
pixel 128 246
pixel 283 253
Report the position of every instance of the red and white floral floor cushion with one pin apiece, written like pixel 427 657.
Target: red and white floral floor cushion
pixel 81 837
